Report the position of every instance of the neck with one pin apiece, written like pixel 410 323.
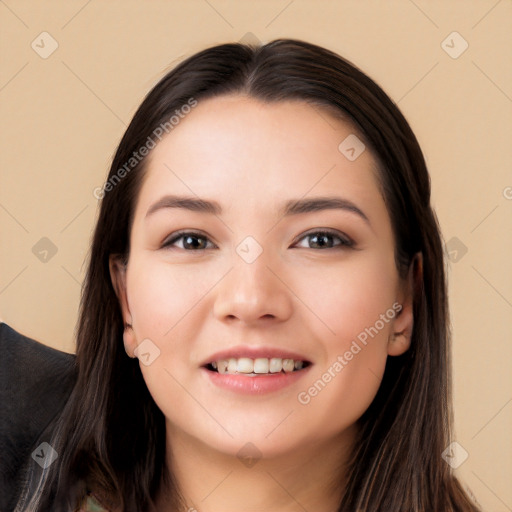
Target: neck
pixel 310 478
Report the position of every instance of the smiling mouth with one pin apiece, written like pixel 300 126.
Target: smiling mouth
pixel 256 367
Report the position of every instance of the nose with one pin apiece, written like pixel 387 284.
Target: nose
pixel 253 293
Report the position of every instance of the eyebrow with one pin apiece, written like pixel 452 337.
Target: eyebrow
pixel 291 207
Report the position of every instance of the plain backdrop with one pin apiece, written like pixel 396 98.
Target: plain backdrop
pixel 73 73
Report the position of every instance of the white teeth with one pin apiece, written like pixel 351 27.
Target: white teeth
pixel 245 365
pixel 232 365
pixel 276 365
pixel 261 365
pixel 288 365
pixel 258 366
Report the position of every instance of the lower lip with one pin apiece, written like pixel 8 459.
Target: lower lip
pixel 257 385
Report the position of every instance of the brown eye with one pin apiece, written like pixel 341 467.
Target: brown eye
pixel 187 241
pixel 326 240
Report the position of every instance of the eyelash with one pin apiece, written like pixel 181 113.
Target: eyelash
pixel 345 241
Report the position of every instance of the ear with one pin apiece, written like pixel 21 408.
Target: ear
pixel 400 339
pixel 117 267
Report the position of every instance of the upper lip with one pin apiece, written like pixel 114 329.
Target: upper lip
pixel 254 353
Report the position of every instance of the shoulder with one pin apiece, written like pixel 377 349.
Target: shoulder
pixel 35 382
pixel 24 356
pixel 32 376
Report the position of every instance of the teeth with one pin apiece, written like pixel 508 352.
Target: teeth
pixel 232 365
pixel 245 365
pixel 288 365
pixel 222 366
pixel 261 365
pixel 276 365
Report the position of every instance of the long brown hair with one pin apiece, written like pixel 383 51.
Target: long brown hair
pixel 111 435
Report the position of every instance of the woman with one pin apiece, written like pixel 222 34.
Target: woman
pixel 264 319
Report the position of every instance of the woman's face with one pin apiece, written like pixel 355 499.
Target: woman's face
pixel 257 239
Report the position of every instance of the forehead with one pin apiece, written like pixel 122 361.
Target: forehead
pixel 239 148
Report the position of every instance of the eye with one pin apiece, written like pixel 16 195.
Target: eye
pixel 190 241
pixel 320 239
pixel 326 239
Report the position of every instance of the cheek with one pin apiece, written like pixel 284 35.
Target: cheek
pixel 161 295
pixel 355 307
pixel 337 395
pixel 167 308
pixel 349 298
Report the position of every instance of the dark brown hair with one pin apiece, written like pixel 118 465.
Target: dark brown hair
pixel 396 464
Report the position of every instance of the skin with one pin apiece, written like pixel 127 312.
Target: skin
pixel 251 157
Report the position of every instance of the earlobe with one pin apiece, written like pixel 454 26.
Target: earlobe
pixel 117 267
pixel 398 344
pixel 400 340
pixel 129 341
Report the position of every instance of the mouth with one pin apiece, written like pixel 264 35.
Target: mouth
pixel 257 367
pixel 253 371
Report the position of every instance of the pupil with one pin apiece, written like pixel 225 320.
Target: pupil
pixel 190 241
pixel 321 240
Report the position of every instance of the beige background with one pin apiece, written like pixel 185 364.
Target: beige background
pixel 63 116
